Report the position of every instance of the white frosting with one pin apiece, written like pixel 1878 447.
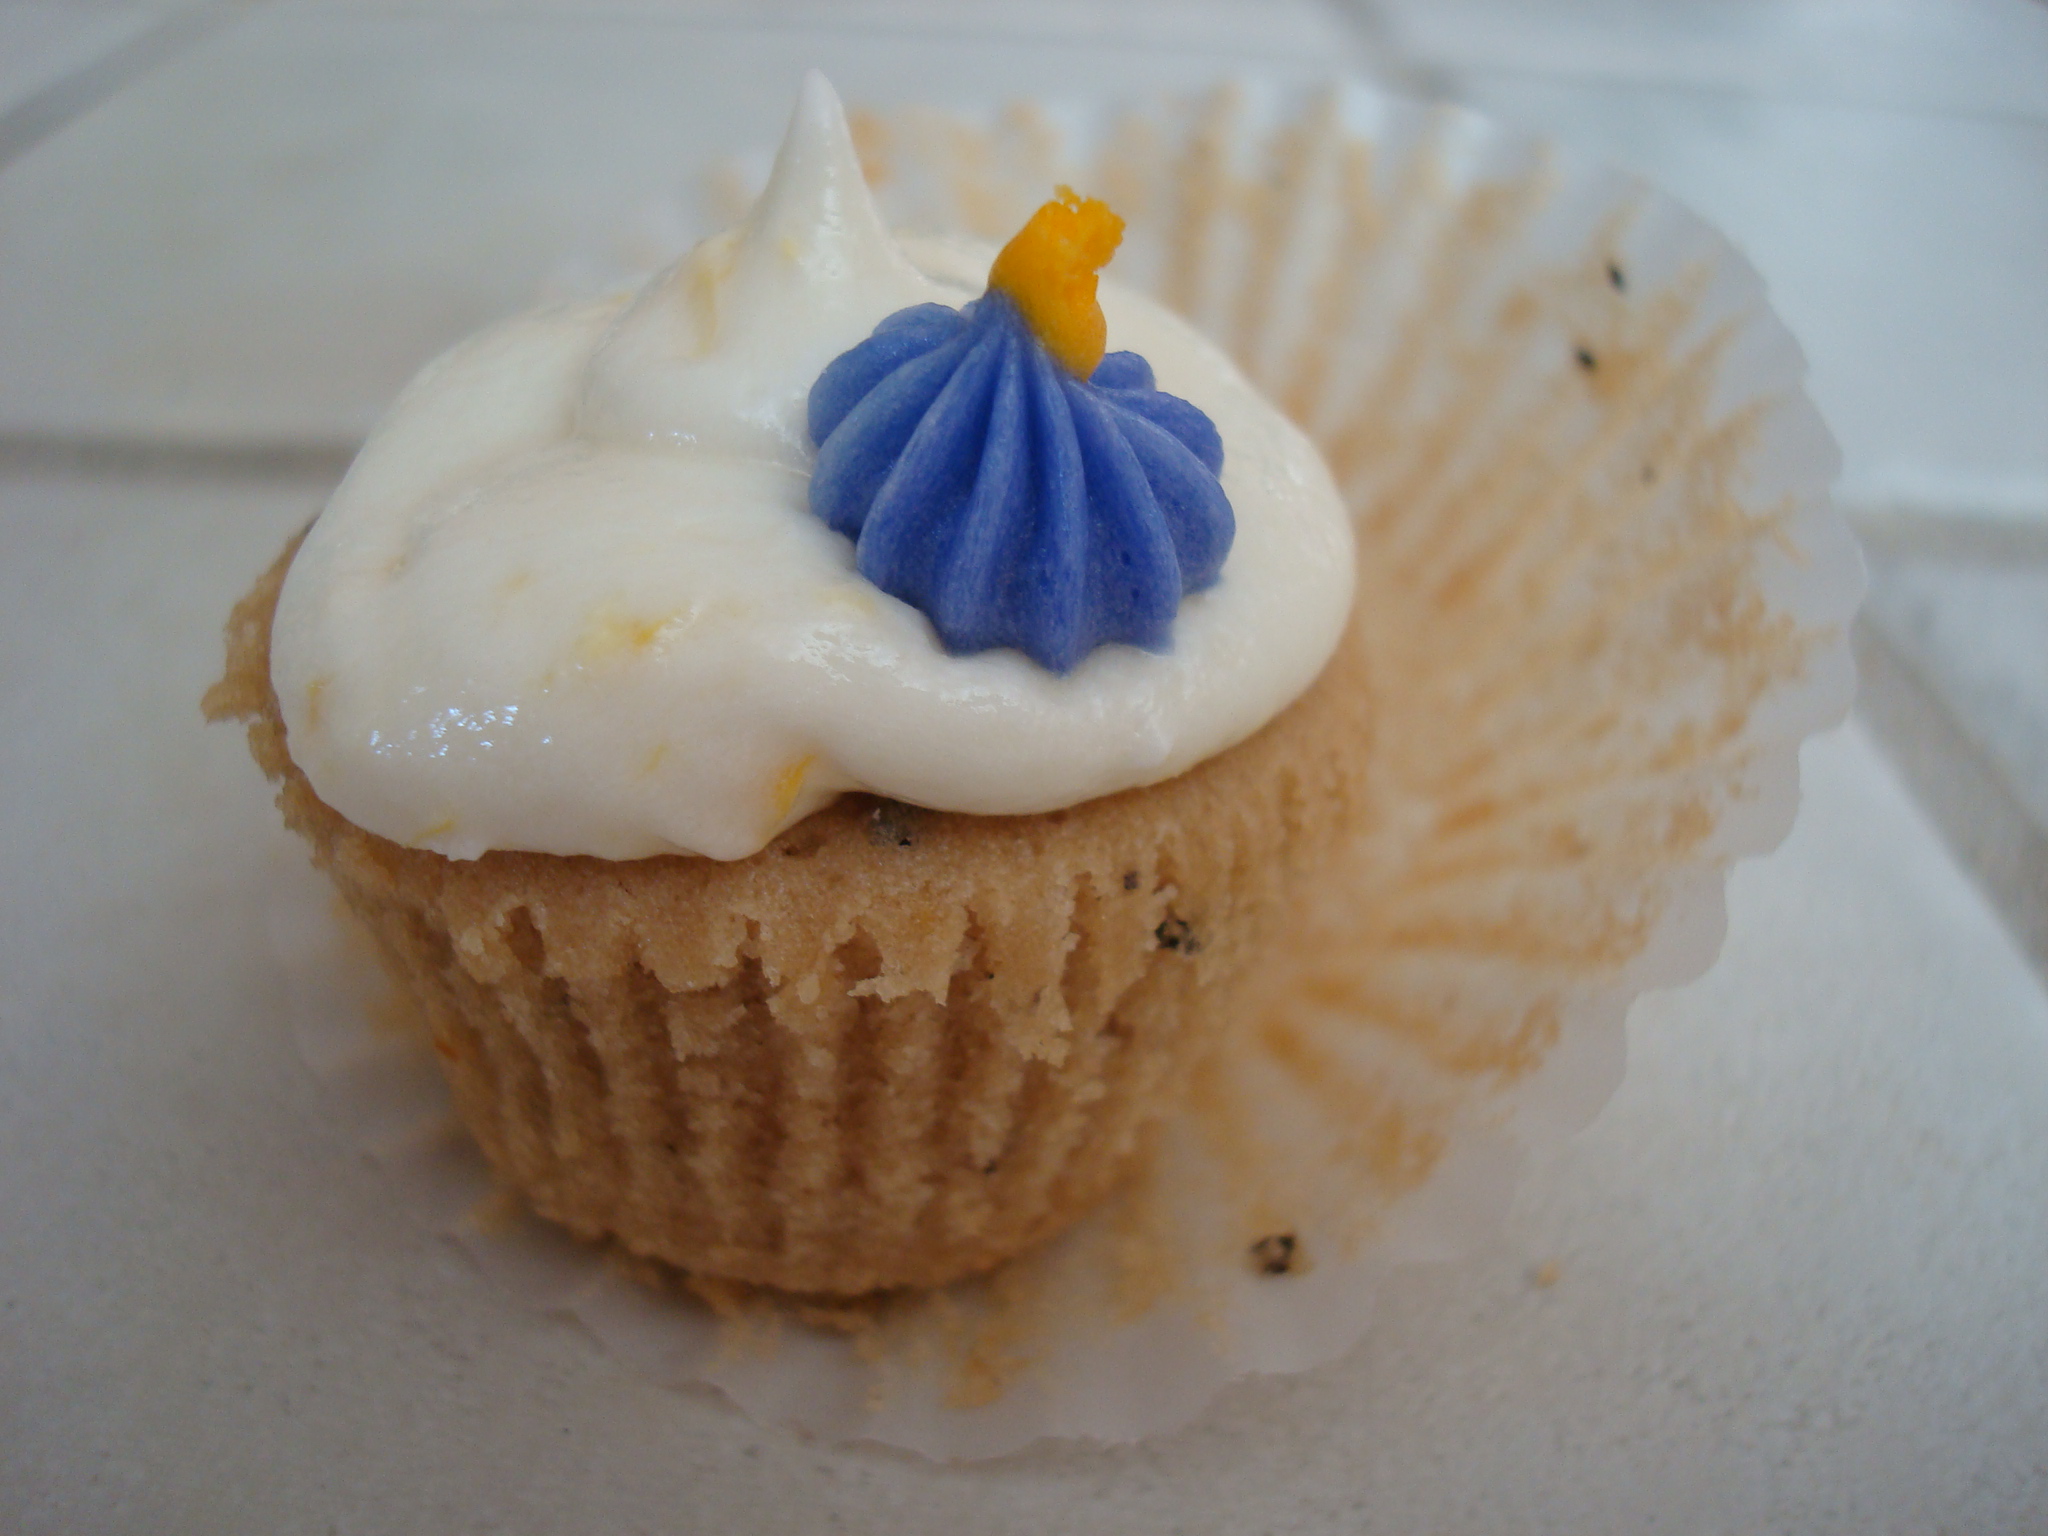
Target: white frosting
pixel 570 597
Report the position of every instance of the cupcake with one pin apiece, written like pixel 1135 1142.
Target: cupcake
pixel 825 747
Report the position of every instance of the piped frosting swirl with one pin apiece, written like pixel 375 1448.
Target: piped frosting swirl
pixel 1010 501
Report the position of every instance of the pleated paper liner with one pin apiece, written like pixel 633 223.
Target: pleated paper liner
pixel 1606 597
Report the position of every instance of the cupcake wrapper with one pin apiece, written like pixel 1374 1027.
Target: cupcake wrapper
pixel 1603 598
pixel 1603 592
pixel 899 1142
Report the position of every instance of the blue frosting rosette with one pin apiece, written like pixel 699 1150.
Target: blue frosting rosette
pixel 1001 474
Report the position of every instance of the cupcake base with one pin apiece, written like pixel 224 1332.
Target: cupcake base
pixel 894 1048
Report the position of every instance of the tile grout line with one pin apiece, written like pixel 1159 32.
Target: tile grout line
pixel 63 101
pixel 1897 534
pixel 137 457
pixel 631 15
pixel 1958 785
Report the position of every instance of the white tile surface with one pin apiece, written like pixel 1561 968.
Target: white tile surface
pixel 40 44
pixel 1260 27
pixel 1801 1262
pixel 1967 56
pixel 1979 635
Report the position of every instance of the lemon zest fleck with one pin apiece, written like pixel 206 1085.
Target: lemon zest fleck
pixel 790 783
pixel 610 633
pixel 847 598
pixel 439 829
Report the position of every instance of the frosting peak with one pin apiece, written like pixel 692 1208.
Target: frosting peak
pixel 718 351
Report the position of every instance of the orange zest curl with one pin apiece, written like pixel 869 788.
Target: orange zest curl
pixel 1048 271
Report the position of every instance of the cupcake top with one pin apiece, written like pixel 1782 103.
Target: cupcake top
pixel 576 594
